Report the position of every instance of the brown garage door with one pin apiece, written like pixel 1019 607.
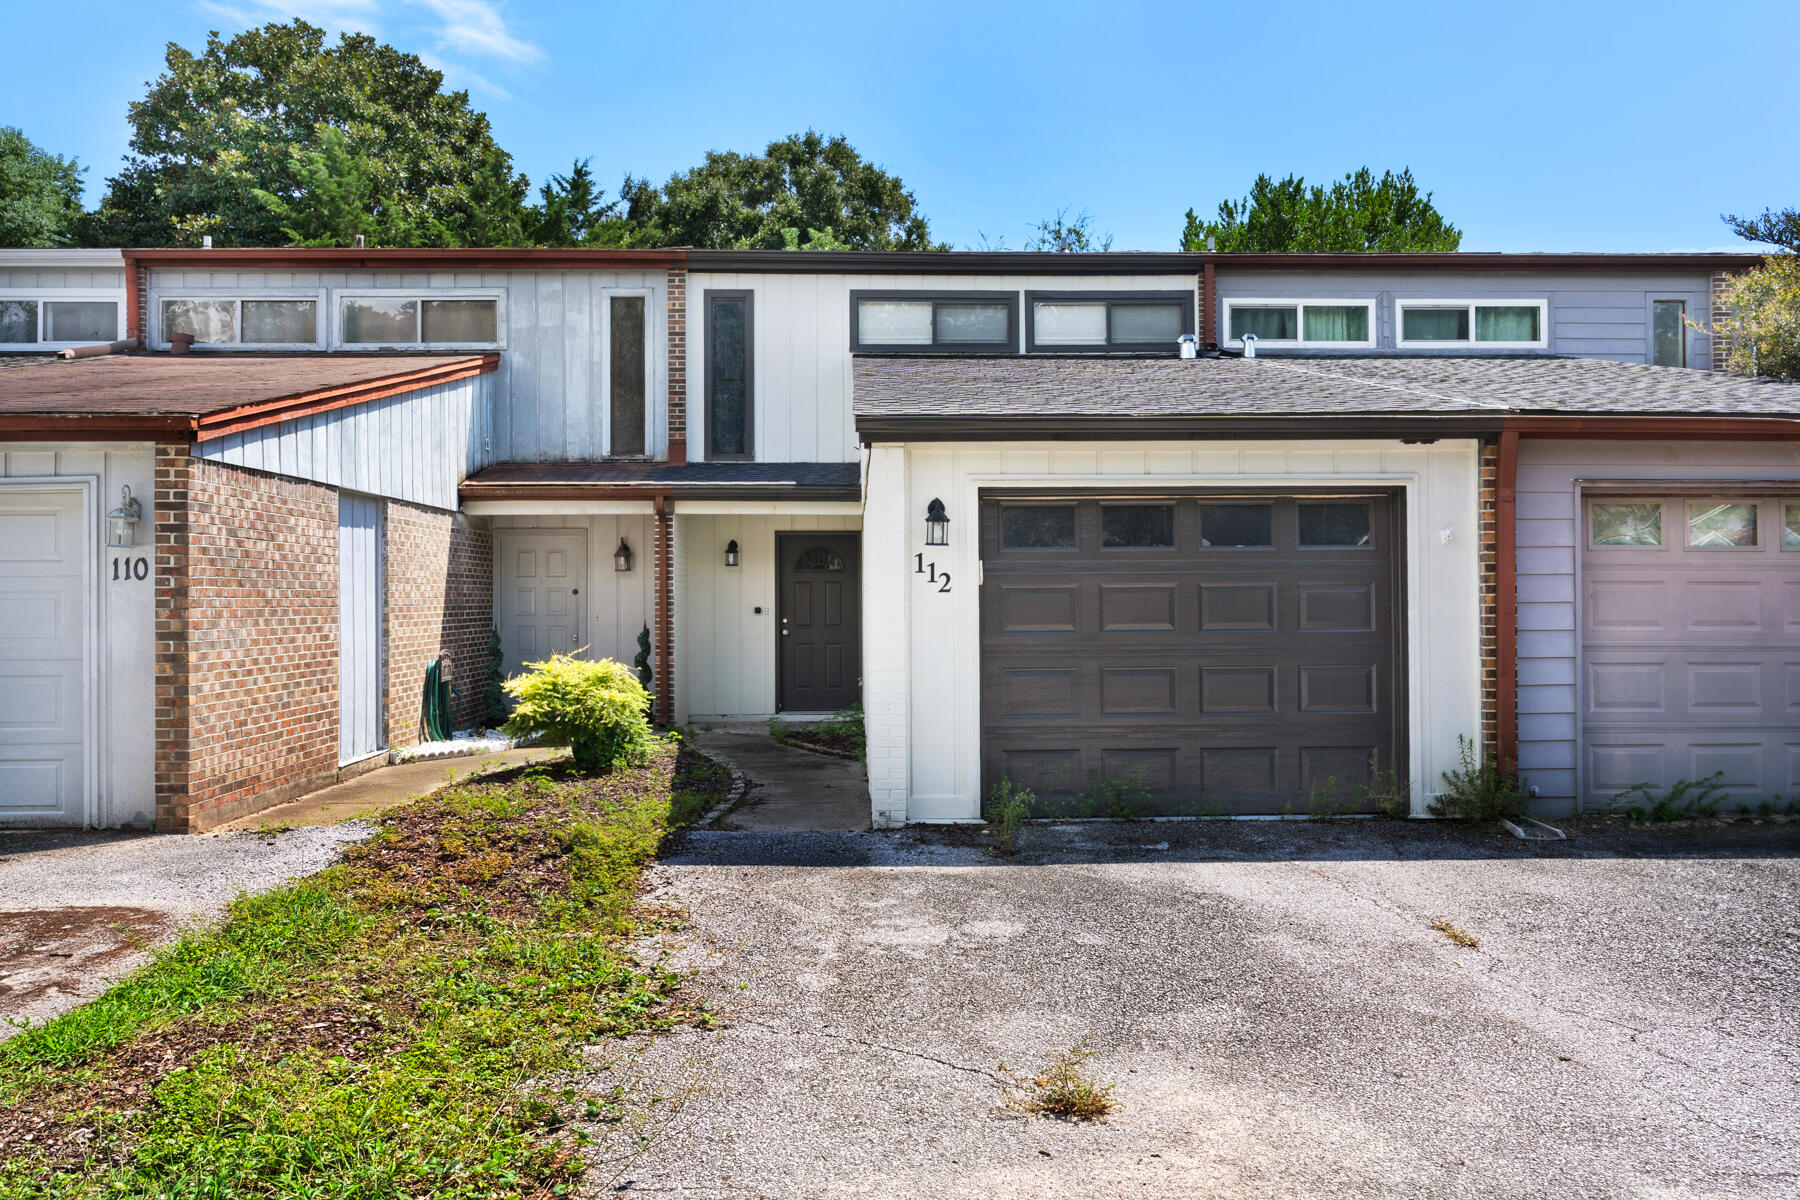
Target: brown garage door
pixel 1193 653
pixel 1690 645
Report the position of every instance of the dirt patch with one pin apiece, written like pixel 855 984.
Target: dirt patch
pixel 45 950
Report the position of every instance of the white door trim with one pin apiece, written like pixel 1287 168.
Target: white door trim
pixel 88 487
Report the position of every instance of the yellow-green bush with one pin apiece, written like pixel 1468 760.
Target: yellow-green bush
pixel 598 708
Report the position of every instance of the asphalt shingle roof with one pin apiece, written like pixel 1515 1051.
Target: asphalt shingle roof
pixel 1043 386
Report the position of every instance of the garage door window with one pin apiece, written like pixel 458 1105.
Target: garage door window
pixel 1721 526
pixel 1237 526
pixel 1790 534
pixel 1627 525
pixel 1037 527
pixel 1137 526
pixel 1334 524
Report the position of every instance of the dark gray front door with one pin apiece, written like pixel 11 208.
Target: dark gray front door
pixel 820 622
pixel 1191 653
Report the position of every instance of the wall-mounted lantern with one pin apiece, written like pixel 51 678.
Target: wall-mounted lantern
pixel 731 553
pixel 622 556
pixel 122 522
pixel 937 524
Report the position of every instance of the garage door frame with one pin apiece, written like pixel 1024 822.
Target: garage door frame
pixel 1399 581
pixel 88 487
pixel 1649 488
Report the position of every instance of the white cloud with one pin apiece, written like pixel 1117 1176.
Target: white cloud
pixel 459 29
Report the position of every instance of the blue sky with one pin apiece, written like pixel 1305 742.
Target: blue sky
pixel 1566 126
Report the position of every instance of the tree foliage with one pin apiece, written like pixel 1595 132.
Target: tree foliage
pixel 244 116
pixel 1773 228
pixel 572 211
pixel 805 182
pixel 1063 234
pixel 1357 213
pixel 1762 331
pixel 40 193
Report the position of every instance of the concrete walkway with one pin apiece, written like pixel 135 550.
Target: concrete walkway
pixel 792 791
pixel 384 787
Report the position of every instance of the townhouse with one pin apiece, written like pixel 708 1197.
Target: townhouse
pixel 1212 533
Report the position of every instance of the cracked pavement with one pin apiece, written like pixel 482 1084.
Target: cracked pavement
pixel 1269 998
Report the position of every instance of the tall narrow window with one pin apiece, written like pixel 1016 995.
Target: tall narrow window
pixel 1669 333
pixel 627 374
pixel 729 382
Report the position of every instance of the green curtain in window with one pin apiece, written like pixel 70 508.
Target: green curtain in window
pixel 1270 324
pixel 1434 324
pixel 1511 324
pixel 1337 323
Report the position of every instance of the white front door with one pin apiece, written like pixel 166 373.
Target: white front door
pixel 360 589
pixel 539 605
pixel 44 552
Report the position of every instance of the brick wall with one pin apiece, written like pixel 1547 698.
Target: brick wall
pixel 1489 594
pixel 247 631
pixel 677 286
pixel 1719 320
pixel 440 600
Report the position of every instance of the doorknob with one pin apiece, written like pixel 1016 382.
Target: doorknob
pixel 784 633
pixel 575 637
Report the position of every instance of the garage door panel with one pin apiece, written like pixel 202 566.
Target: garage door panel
pixel 1709 687
pixel 1265 665
pixel 44 563
pixel 1337 772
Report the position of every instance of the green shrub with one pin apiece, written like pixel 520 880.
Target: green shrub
pixel 1478 791
pixel 1009 806
pixel 598 708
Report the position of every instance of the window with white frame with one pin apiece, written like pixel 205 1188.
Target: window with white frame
pixel 1325 324
pixel 399 319
pixel 250 321
pixel 1494 324
pixel 1098 322
pixel 48 321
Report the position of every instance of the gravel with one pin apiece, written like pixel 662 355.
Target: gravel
pixel 79 910
pixel 1271 1001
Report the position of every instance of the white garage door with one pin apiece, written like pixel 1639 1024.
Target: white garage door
pixel 43 656
pixel 1690 644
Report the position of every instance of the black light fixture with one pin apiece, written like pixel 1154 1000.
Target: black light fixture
pixel 622 556
pixel 937 524
pixel 731 553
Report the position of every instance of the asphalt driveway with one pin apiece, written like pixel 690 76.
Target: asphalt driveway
pixel 1271 1000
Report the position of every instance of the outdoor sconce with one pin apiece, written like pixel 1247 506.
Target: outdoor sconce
pixel 937 524
pixel 622 557
pixel 122 522
pixel 731 553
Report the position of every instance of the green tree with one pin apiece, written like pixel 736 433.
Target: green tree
pixel 803 182
pixel 334 204
pixel 572 211
pixel 1063 234
pixel 1762 325
pixel 1357 213
pixel 243 117
pixel 40 193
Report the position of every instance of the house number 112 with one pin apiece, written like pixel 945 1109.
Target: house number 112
pixel 931 573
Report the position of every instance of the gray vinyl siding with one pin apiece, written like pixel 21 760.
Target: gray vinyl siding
pixel 549 395
pixel 417 446
pixel 1592 314
pixel 1548 531
pixel 28 278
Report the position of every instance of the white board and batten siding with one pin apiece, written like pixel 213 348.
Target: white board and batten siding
pixel 550 397
pixel 417 446
pixel 923 689
pixel 801 354
pixel 361 591
pixel 112 673
pixel 1592 314
pixel 1550 536
pixel 726 651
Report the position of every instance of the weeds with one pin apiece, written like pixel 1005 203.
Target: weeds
pixel 1477 790
pixel 372 1030
pixel 1009 806
pixel 841 734
pixel 1686 800
pixel 1387 794
pixel 1065 1088
pixel 1461 937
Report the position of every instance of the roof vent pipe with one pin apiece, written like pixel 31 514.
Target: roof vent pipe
pixel 1209 243
pixel 1189 344
pixel 1249 345
pixel 206 241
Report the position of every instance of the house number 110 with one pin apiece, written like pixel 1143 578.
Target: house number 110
pixel 131 568
pixel 931 573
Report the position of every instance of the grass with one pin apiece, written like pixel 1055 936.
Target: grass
pixel 386 1027
pixel 1460 936
pixel 841 734
pixel 1065 1088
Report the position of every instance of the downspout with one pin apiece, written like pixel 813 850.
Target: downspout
pixel 1506 600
